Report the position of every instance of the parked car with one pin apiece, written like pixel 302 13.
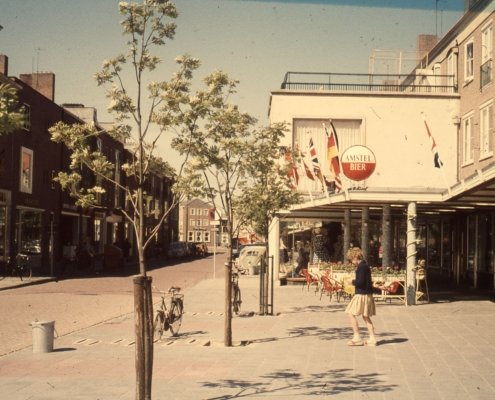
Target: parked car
pixel 249 259
pixel 237 251
pixel 201 249
pixel 177 250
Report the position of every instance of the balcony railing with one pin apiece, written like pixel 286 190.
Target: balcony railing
pixel 411 83
pixel 486 73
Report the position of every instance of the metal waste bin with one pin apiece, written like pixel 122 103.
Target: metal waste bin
pixel 43 336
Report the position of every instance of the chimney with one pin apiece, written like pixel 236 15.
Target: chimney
pixel 4 65
pixel 43 82
pixel 424 44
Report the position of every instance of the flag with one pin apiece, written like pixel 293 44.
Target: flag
pixel 292 174
pixel 211 214
pixel 316 165
pixel 309 174
pixel 436 157
pixel 333 155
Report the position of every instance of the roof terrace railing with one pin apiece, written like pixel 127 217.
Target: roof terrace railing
pixel 421 82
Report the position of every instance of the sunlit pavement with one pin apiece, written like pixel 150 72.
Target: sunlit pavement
pixel 442 350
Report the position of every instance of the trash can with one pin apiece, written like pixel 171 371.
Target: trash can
pixel 43 336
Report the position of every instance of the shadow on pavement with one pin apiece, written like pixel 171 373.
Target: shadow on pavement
pixel 290 382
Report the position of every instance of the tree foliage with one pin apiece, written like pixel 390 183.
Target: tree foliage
pixel 266 188
pixel 12 114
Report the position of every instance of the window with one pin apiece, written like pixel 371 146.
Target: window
pixel 452 69
pixel 207 237
pixel 467 149
pixel 486 131
pixel 469 61
pixel 26 178
pixel 205 212
pixel 192 222
pixel 349 133
pixel 117 178
pixel 437 70
pixel 486 56
pixel 192 211
pixel 486 44
pixel 27 117
pixel 190 236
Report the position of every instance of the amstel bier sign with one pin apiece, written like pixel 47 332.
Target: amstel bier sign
pixel 358 163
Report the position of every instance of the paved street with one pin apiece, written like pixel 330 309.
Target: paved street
pixel 441 350
pixel 79 303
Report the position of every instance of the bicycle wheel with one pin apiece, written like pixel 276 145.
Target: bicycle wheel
pixel 25 272
pixel 236 299
pixel 175 316
pixel 158 325
pixel 3 270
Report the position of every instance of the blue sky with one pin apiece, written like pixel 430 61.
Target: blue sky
pixel 254 41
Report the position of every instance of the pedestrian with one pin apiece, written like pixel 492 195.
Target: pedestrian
pixel 362 303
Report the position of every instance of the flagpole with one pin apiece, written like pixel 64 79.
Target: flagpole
pixel 344 186
pixel 440 166
pixel 304 168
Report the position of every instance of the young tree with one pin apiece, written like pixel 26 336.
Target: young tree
pixel 216 134
pixel 230 155
pixel 12 115
pixel 266 188
pixel 144 110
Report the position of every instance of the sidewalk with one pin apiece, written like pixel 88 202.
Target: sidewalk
pixel 436 351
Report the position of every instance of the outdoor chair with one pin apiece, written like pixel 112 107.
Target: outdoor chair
pixel 331 287
pixel 310 279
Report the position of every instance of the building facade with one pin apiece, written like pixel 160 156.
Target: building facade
pixel 429 135
pixel 41 220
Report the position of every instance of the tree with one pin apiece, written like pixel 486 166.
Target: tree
pixel 12 115
pixel 266 188
pixel 140 121
pixel 216 135
pixel 230 155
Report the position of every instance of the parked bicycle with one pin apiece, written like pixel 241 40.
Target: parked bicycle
pixel 236 293
pixel 19 266
pixel 169 317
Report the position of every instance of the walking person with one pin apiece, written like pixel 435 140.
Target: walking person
pixel 362 302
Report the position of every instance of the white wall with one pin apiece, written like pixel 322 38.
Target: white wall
pixel 393 128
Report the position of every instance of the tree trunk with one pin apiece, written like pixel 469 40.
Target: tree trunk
pixel 228 304
pixel 143 328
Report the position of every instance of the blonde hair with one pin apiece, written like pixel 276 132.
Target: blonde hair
pixel 355 252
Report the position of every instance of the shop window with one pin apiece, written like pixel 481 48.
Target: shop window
pixel 29 232
pixel 485 243
pixel 471 242
pixel 3 233
pixel 447 230
pixel 433 242
pixel 190 236
pixel 207 237
pixel 26 178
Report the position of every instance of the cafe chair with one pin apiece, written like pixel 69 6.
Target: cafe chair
pixel 422 292
pixel 331 287
pixel 390 290
pixel 310 279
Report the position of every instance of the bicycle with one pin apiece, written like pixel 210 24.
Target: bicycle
pixel 18 267
pixel 236 293
pixel 169 317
